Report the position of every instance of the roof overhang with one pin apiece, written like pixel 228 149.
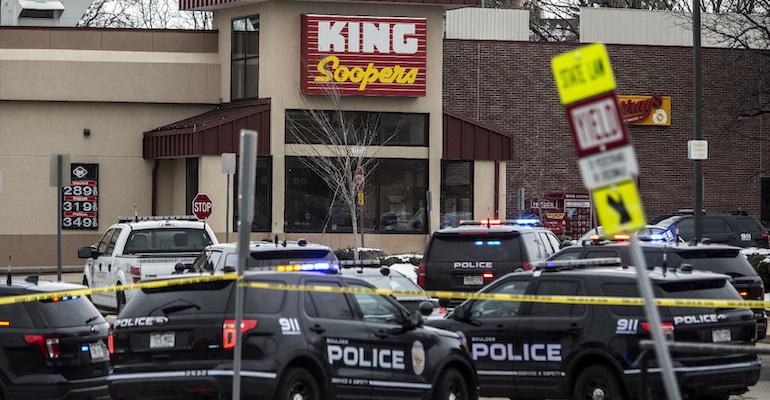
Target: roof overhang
pixel 209 5
pixel 212 133
pixel 41 5
pixel 467 139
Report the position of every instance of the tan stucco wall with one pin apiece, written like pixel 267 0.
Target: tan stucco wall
pixel 483 189
pixel 31 131
pixel 279 74
pixel 214 183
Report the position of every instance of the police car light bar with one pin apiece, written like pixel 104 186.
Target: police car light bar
pixel 157 218
pixel 577 263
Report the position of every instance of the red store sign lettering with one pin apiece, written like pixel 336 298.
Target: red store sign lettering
pixel 353 55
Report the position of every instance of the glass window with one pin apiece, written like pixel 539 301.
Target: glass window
pixel 111 246
pixel 259 301
pixel 686 228
pixel 474 248
pixel 395 199
pixel 554 241
pixel 388 128
pixel 535 248
pixel 601 253
pixel 17 315
pixel 557 288
pixel 549 249
pixel 456 192
pixel 376 308
pixel 715 225
pixel 166 240
pixel 105 242
pixel 191 182
pixel 267 259
pixel 206 262
pixel 194 298
pixel 567 255
pixel 263 196
pixel 624 290
pixel 327 305
pixel 66 313
pixel 500 309
pixel 244 79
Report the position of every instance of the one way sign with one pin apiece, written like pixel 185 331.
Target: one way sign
pixel 619 208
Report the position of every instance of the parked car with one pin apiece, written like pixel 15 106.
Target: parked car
pixel 140 248
pixel 737 229
pixel 264 254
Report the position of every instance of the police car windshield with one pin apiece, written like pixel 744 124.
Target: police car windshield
pixel 393 281
pixel 721 261
pixel 475 248
pixel 275 258
pixel 167 240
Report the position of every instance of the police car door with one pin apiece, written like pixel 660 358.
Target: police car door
pixel 101 265
pixel 496 351
pixel 547 333
pixel 397 355
pixel 338 338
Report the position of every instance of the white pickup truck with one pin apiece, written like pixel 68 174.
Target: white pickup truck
pixel 141 248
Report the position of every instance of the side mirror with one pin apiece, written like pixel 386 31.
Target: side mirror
pixel 179 268
pixel 385 271
pixel 87 251
pixel 444 302
pixel 425 308
pixel 415 321
pixel 461 313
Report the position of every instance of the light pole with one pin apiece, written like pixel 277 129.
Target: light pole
pixel 697 118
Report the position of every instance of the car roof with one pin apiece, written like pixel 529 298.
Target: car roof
pixel 267 245
pixel 368 272
pixel 471 229
pixel 141 225
pixel 295 276
pixel 665 245
pixel 22 286
pixel 625 272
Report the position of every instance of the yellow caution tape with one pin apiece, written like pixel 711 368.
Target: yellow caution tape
pixel 587 300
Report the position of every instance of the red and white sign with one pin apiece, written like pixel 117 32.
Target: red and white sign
pixel 354 55
pixel 202 206
pixel 596 125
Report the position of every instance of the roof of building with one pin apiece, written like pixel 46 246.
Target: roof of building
pixel 467 139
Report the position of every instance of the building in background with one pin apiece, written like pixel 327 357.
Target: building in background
pixel 65 13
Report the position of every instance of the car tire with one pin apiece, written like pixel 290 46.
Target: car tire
pixel 120 298
pixel 451 386
pixel 598 382
pixel 298 382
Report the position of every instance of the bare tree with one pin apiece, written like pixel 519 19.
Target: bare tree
pixel 144 14
pixel 335 144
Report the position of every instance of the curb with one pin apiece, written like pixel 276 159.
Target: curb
pixel 47 270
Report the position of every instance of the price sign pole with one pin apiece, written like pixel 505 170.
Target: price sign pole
pixel 59 175
pixel 609 169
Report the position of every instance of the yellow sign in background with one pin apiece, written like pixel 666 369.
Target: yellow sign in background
pixel 657 116
pixel 619 208
pixel 583 73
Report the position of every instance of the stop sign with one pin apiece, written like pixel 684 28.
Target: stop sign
pixel 202 206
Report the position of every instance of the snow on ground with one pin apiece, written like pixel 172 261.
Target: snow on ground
pixel 404 258
pixel 755 251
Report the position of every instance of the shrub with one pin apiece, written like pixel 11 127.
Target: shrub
pixel 347 253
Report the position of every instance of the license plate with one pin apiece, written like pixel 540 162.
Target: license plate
pixel 97 351
pixel 473 280
pixel 162 340
pixel 721 335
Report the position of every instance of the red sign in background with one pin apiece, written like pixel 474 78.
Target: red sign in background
pixel 202 206
pixel 354 57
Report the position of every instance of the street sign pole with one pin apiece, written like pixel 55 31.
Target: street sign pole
pixel 697 119
pixel 246 185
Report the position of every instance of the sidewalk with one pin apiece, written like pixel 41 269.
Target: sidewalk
pixel 42 270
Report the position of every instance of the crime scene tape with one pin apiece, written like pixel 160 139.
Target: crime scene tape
pixel 586 300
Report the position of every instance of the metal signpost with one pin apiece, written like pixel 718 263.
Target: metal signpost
pixel 59 175
pixel 246 186
pixel 228 168
pixel 608 167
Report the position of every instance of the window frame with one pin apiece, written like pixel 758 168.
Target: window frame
pixel 530 307
pixel 443 185
pixel 396 114
pixel 245 59
pixel 522 310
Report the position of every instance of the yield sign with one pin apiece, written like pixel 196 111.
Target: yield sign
pixel 202 206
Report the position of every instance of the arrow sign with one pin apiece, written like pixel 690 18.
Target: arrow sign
pixel 619 208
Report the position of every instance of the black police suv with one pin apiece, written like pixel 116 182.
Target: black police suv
pixel 383 277
pixel 720 259
pixel 475 253
pixel 52 349
pixel 737 229
pixel 177 342
pixel 552 351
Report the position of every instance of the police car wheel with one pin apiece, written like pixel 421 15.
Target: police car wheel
pixel 452 386
pixel 298 384
pixel 598 383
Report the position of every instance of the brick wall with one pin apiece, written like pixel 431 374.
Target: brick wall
pixel 509 85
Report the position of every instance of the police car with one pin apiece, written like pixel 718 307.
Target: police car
pixel 717 258
pixel 177 342
pixel 549 350
pixel 264 254
pixel 54 348
pixel 475 253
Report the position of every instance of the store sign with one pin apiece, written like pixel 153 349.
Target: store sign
pixel 646 110
pixel 80 200
pixel 353 55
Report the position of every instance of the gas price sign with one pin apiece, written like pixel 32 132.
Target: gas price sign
pixel 80 200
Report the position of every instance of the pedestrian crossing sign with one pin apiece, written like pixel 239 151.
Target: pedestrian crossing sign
pixel 619 208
